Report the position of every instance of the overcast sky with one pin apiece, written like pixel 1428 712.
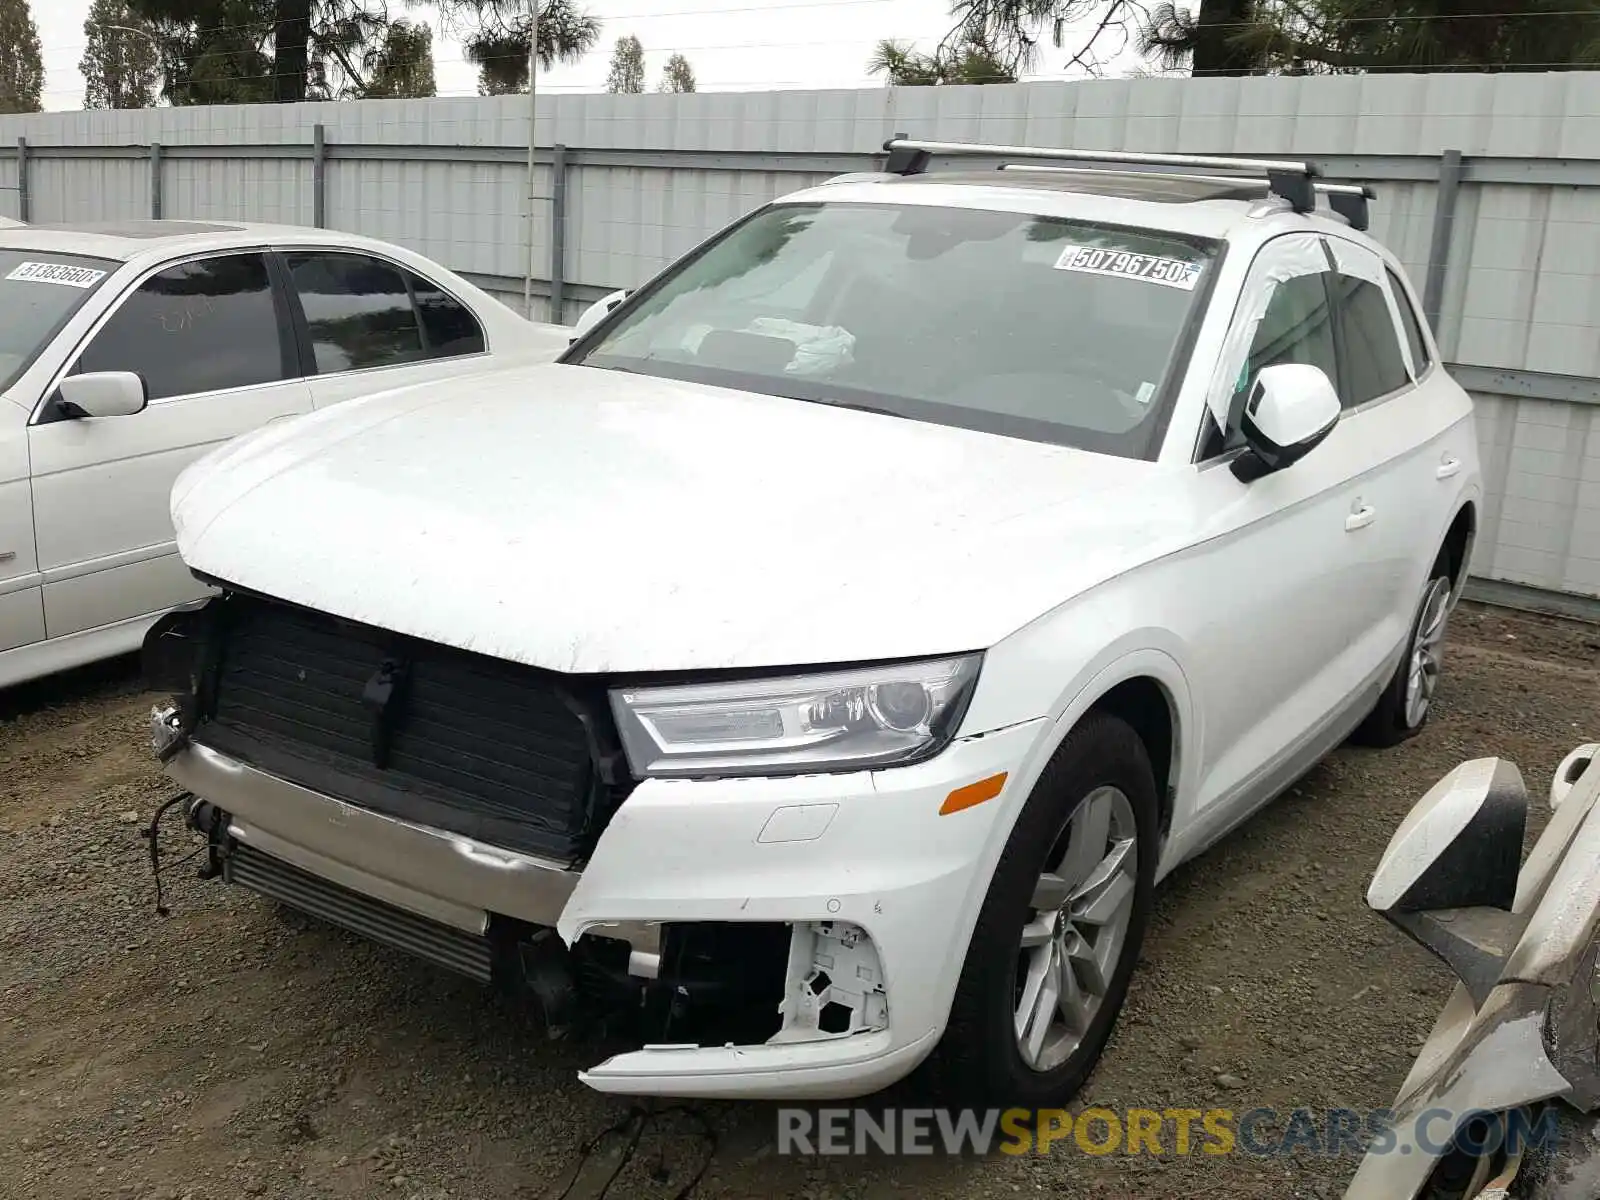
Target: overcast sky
pixel 733 45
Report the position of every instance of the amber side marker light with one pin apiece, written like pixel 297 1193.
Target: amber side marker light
pixel 973 794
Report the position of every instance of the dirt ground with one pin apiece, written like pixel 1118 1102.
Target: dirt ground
pixel 224 1051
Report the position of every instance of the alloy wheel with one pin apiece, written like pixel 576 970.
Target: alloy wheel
pixel 1427 652
pixel 1076 930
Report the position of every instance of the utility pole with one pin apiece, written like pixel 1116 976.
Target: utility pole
pixel 533 111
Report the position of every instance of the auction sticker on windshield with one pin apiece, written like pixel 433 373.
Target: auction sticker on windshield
pixel 58 273
pixel 1150 268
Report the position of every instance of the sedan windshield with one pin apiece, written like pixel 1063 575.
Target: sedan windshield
pixel 1053 330
pixel 39 292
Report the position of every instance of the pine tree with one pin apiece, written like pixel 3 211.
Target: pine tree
pixel 627 67
pixel 121 63
pixel 678 75
pixel 21 59
pixel 402 68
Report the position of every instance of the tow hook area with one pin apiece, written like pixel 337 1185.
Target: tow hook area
pixel 835 984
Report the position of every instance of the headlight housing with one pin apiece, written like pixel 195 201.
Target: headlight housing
pixel 848 720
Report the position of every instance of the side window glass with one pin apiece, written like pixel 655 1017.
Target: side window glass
pixel 358 311
pixel 1411 323
pixel 200 326
pixel 450 328
pixel 1371 364
pixel 1296 328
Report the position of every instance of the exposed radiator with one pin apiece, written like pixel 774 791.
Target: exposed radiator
pixel 453 949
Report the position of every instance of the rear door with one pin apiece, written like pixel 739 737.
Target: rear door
pixel 1415 423
pixel 367 325
pixel 210 336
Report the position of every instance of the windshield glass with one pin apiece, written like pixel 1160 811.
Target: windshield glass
pixel 1035 327
pixel 39 292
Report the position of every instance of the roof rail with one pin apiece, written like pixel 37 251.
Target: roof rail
pixel 1349 200
pixel 1289 179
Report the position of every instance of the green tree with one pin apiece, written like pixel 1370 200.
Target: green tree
pixel 626 76
pixel 1415 35
pixel 496 34
pixel 903 65
pixel 21 59
pixel 677 75
pixel 1239 37
pixel 402 67
pixel 1015 30
pixel 243 51
pixel 121 63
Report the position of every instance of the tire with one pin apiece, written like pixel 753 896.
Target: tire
pixel 980 1060
pixel 1396 718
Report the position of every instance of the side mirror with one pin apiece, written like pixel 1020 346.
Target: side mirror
pixel 1570 771
pixel 1292 407
pixel 595 313
pixel 102 394
pixel 1449 875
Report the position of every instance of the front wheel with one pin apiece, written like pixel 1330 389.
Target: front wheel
pixel 1059 933
pixel 1403 709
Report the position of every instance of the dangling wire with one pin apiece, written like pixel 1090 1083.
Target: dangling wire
pixel 152 835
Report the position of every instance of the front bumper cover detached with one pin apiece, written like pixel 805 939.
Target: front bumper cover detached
pixel 858 874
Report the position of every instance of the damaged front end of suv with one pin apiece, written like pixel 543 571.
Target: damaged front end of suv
pixel 449 805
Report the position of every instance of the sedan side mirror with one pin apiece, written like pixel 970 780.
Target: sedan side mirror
pixel 102 394
pixel 1292 408
pixel 595 313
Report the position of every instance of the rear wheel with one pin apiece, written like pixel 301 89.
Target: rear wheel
pixel 1402 710
pixel 1060 929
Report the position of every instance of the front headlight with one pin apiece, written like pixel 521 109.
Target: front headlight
pixel 800 724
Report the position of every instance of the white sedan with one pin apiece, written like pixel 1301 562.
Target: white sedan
pixel 128 351
pixel 875 606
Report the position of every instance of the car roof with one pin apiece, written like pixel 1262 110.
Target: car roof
pixel 126 241
pixel 1213 206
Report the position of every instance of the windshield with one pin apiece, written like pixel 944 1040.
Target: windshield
pixel 1053 330
pixel 39 292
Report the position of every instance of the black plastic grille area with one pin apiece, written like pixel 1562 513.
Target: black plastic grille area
pixel 453 949
pixel 471 744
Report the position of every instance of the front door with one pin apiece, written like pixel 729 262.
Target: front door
pixel 210 337
pixel 1296 632
pixel 21 608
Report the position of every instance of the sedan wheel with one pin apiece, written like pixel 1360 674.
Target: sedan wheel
pixel 1074 937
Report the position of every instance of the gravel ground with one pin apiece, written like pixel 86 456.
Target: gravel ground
pixel 224 1051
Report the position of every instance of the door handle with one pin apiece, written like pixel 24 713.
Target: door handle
pixel 7 556
pixel 1360 518
pixel 1448 468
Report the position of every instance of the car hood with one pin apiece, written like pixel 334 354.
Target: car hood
pixel 585 520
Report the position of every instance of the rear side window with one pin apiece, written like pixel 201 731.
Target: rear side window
pixel 358 312
pixel 201 326
pixel 362 313
pixel 450 329
pixel 1371 363
pixel 1411 323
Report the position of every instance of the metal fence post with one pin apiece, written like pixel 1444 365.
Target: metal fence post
pixel 155 181
pixel 1444 218
pixel 24 200
pixel 319 177
pixel 558 235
